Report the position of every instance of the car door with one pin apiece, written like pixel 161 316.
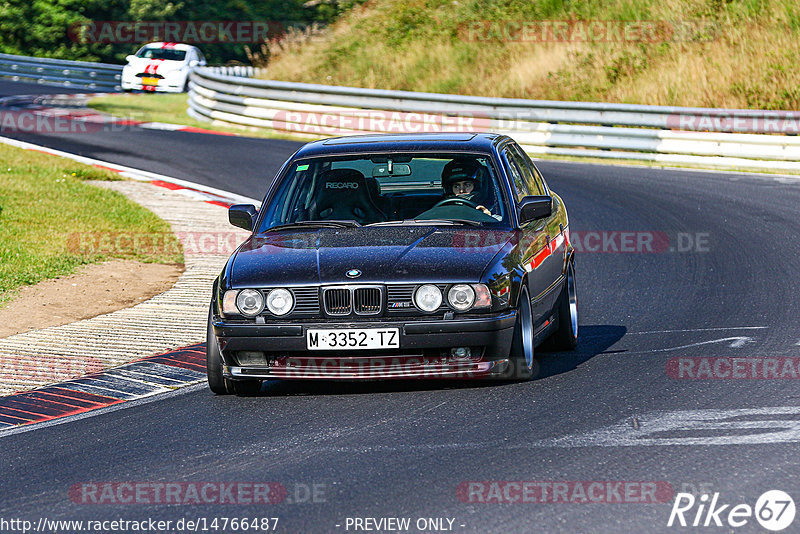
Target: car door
pixel 553 264
pixel 544 259
pixel 533 241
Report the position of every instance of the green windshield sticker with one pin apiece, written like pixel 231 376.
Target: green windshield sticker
pixel 302 167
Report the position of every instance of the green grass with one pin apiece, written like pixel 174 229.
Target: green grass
pixel 730 53
pixel 168 108
pixel 46 205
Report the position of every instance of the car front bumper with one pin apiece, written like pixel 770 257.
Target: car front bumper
pixel 162 87
pixel 425 349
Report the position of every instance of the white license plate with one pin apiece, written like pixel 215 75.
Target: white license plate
pixel 353 338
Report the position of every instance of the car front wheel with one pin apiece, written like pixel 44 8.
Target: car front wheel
pixel 521 361
pixel 216 381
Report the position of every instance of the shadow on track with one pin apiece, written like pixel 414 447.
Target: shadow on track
pixel 592 340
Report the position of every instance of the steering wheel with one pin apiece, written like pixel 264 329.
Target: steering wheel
pixel 455 201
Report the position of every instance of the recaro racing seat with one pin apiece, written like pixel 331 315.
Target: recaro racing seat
pixel 345 194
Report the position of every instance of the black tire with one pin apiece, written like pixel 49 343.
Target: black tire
pixel 522 364
pixel 216 381
pixel 566 337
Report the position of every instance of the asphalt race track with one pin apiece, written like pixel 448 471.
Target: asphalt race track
pixel 712 273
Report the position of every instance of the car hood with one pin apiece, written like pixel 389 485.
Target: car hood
pixel 383 254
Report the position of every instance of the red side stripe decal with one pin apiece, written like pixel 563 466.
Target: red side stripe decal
pixel 546 251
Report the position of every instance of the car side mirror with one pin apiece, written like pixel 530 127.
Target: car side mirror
pixel 130 58
pixel 535 207
pixel 242 216
pixel 194 63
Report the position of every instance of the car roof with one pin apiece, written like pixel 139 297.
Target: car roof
pixel 424 142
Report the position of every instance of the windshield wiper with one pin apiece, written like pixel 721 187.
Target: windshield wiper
pixel 418 222
pixel 334 223
pixel 449 222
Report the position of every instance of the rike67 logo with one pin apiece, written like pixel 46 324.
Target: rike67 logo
pixel 774 510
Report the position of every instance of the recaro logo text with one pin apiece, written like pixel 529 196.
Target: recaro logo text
pixel 341 185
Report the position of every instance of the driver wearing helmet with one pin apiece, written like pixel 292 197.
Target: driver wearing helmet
pixel 464 178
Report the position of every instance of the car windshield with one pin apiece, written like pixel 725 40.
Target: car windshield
pixel 162 53
pixel 389 189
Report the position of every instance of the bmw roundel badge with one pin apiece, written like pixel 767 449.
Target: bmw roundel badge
pixel 353 273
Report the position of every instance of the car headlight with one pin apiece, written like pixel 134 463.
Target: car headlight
pixel 280 301
pixel 250 302
pixel 428 298
pixel 461 297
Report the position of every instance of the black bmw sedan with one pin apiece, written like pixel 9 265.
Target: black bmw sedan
pixel 395 256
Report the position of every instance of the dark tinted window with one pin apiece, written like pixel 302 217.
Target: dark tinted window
pixel 532 175
pixel 529 173
pixel 517 175
pixel 163 53
pixel 386 188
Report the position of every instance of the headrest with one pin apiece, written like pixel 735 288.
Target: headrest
pixel 342 180
pixel 347 194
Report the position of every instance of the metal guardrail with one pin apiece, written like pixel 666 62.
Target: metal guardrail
pixel 80 74
pixel 246 71
pixel 84 74
pixel 674 135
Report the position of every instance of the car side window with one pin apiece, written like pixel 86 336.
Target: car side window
pixel 529 172
pixel 538 183
pixel 520 188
